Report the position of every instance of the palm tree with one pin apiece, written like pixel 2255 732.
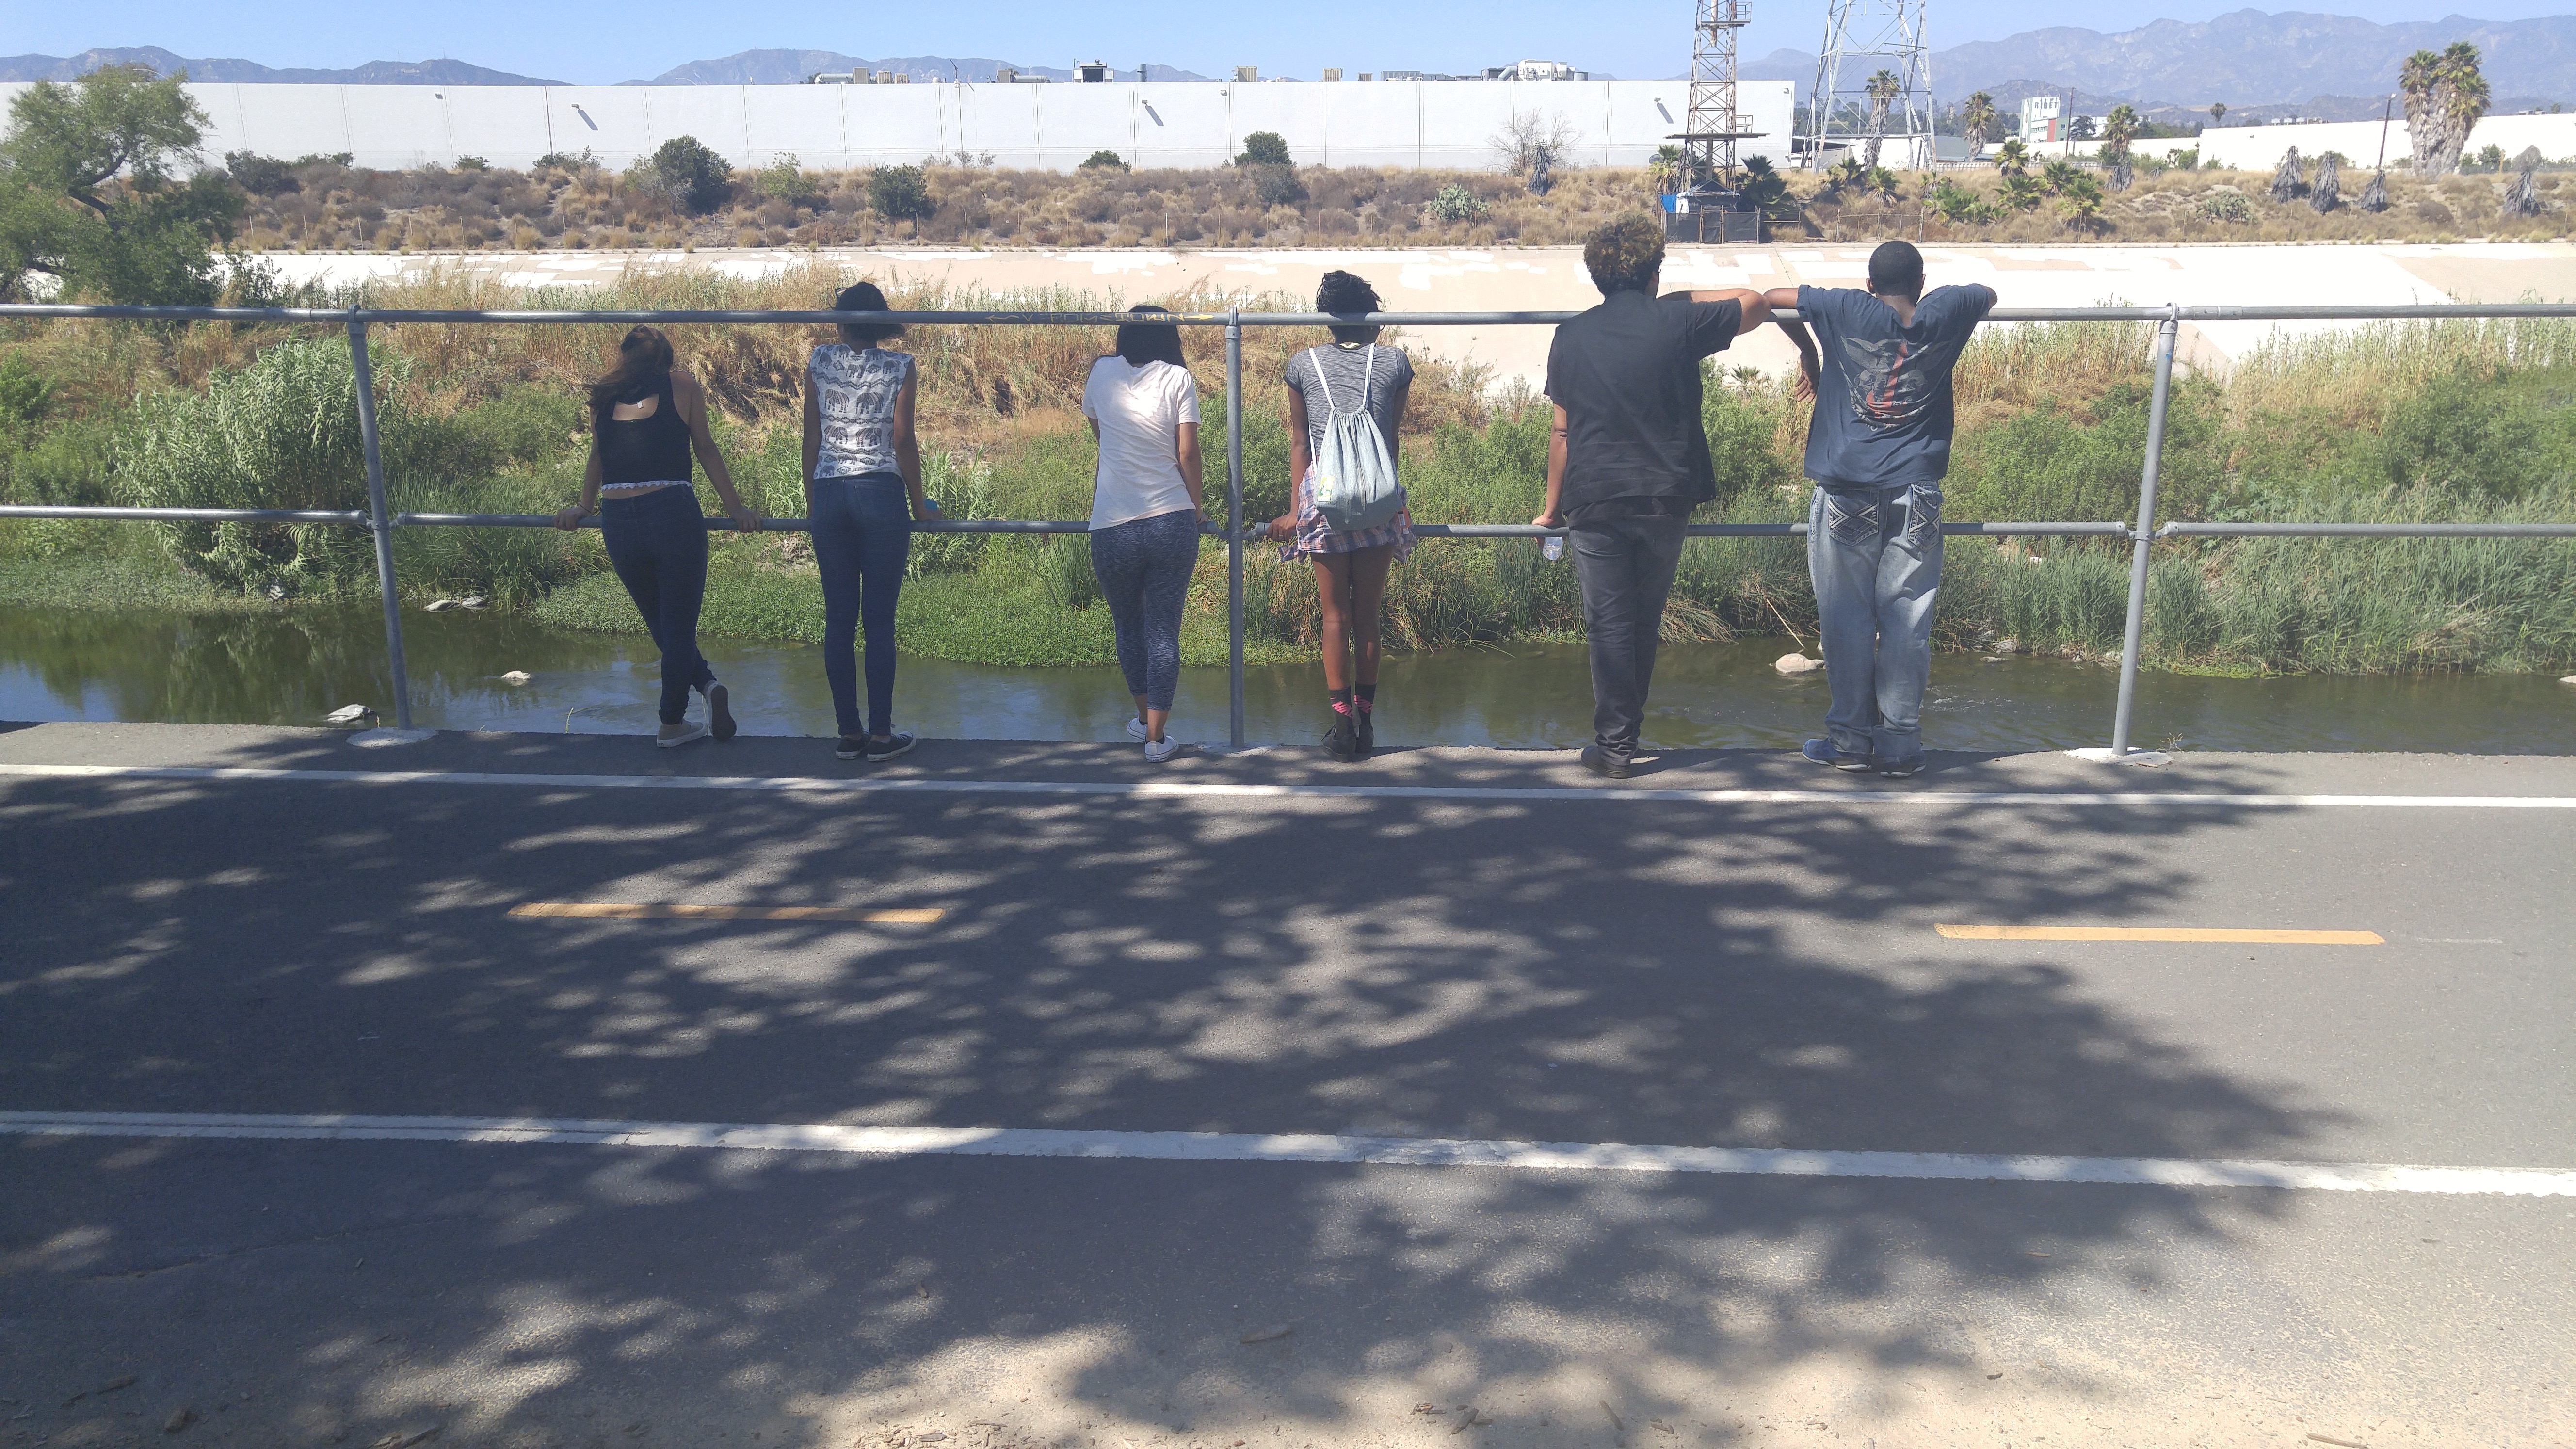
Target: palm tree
pixel 1977 119
pixel 1883 89
pixel 2217 112
pixel 2445 96
pixel 2012 158
pixel 2118 129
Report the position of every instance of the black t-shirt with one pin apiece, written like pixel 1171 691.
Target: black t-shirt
pixel 1627 374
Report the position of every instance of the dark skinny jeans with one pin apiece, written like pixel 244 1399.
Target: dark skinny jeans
pixel 657 542
pixel 862 539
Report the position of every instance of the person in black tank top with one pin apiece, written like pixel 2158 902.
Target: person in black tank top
pixel 646 420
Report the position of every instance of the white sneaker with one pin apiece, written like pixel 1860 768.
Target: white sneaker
pixel 672 736
pixel 1135 728
pixel 1157 751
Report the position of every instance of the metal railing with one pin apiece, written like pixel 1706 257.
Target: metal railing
pixel 2142 535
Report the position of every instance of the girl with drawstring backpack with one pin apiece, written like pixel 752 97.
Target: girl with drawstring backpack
pixel 1345 403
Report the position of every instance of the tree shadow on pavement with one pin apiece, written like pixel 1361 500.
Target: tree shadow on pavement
pixel 1643 973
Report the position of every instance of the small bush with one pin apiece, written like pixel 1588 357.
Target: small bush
pixel 1455 203
pixel 472 163
pixel 1103 160
pixel 1264 148
pixel 900 193
pixel 260 175
pixel 1276 185
pixel 784 179
pixel 691 174
pixel 2227 206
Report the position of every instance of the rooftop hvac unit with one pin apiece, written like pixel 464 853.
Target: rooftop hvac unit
pixel 1247 72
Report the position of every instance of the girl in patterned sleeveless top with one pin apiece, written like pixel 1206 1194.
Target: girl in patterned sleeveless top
pixel 863 491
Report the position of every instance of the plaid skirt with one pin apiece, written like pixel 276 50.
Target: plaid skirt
pixel 1314 536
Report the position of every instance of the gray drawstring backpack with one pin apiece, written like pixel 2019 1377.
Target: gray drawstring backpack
pixel 1355 485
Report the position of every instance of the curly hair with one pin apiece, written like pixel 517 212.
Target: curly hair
pixel 1625 255
pixel 1348 292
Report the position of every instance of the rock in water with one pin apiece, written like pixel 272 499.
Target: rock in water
pixel 1797 664
pixel 349 714
pixel 2570 679
pixel 516 676
pixel 441 606
pixel 472 601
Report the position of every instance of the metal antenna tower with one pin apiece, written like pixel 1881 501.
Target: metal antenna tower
pixel 1864 38
pixel 1716 122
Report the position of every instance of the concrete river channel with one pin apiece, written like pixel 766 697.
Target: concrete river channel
pixel 293 668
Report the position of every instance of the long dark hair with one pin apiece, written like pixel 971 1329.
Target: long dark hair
pixel 1348 292
pixel 864 297
pixel 1144 342
pixel 643 360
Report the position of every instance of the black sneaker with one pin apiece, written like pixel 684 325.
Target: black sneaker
pixel 1367 740
pixel 851 747
pixel 1607 764
pixel 1901 769
pixel 720 711
pixel 882 750
pixel 1342 741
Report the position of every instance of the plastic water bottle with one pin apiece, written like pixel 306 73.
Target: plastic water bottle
pixel 1552 550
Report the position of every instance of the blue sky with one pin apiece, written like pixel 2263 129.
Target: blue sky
pixel 593 43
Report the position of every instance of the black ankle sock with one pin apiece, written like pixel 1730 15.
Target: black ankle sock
pixel 1368 695
pixel 1341 701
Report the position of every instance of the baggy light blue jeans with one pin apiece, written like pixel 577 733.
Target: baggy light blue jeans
pixel 1875 558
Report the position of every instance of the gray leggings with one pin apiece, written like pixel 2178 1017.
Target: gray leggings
pixel 1144 567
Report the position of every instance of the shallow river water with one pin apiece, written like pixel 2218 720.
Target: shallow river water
pixel 292 668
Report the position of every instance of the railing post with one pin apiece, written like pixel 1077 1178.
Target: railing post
pixel 379 518
pixel 2130 642
pixel 1234 524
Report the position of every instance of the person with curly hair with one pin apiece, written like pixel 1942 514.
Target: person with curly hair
pixel 1627 460
pixel 1350 374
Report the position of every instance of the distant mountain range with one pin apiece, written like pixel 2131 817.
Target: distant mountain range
pixel 373 73
pixel 2262 66
pixel 751 67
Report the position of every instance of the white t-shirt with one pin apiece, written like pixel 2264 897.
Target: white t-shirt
pixel 1140 411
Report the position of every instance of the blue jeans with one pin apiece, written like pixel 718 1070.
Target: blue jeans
pixel 1144 566
pixel 657 542
pixel 1875 557
pixel 862 538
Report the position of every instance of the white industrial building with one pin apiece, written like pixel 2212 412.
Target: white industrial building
pixel 1445 124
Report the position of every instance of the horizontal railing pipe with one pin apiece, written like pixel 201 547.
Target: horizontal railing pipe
pixel 1019 318
pixel 191 515
pixel 2367 530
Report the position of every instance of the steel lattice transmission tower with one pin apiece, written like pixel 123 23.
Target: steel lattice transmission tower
pixel 1716 121
pixel 1865 40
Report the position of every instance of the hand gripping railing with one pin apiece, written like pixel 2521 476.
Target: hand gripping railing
pixel 2169 319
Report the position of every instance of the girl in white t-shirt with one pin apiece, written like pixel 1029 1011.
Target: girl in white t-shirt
pixel 1145 511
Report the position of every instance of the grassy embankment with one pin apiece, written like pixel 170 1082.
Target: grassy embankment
pixel 2462 421
pixel 336 208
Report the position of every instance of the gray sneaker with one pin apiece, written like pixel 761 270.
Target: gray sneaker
pixel 672 736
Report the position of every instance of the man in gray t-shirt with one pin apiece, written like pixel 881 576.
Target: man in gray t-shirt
pixel 1878 367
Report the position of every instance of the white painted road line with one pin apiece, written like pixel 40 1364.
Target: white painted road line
pixel 1295 1148
pixel 1225 790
